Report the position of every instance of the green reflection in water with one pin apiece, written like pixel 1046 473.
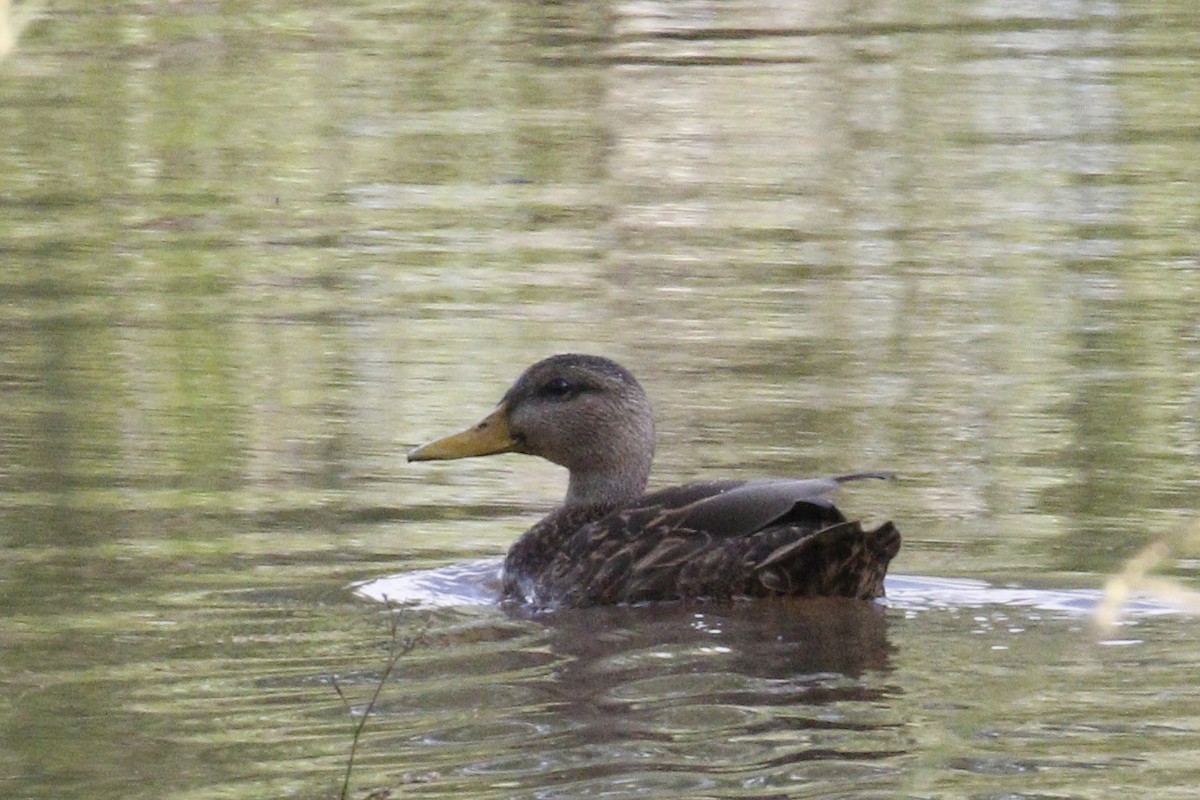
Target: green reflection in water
pixel 252 252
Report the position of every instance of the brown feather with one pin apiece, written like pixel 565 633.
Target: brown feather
pixel 642 552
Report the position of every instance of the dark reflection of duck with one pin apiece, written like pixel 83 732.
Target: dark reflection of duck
pixel 610 543
pixel 808 640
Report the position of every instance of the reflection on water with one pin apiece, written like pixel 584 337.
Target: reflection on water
pixel 824 698
pixel 695 700
pixel 247 259
pixel 678 699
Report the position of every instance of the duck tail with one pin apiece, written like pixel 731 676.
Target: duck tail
pixel 841 560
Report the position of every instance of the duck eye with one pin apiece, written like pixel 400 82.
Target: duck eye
pixel 558 389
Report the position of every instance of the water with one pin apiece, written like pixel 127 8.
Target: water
pixel 251 253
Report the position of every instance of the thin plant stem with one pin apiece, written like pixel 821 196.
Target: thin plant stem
pixel 399 648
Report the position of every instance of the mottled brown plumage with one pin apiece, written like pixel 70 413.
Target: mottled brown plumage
pixel 610 543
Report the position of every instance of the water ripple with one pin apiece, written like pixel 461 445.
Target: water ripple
pixel 476 583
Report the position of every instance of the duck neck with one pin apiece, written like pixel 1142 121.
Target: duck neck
pixel 605 490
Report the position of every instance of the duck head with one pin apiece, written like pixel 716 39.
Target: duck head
pixel 586 413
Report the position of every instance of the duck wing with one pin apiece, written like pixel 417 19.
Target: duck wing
pixel 727 509
pixel 721 539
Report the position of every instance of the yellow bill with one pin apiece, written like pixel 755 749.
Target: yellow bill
pixel 488 437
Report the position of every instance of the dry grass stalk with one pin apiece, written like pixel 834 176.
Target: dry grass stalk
pixel 13 21
pixel 1135 578
pixel 399 647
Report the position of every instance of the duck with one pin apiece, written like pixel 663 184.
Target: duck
pixel 613 542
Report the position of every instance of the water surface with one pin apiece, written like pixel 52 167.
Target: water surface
pixel 251 253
